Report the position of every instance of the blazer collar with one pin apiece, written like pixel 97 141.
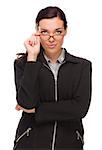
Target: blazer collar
pixel 68 57
pixel 71 58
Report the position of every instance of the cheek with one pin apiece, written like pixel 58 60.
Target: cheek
pixel 43 43
pixel 61 41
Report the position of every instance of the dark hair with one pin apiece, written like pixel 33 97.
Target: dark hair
pixel 51 12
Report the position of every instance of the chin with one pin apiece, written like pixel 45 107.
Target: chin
pixel 52 50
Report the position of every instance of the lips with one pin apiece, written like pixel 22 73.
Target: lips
pixel 52 45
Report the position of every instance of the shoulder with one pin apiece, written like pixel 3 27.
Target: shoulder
pixel 20 60
pixel 77 60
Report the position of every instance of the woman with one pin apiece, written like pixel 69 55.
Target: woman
pixel 53 88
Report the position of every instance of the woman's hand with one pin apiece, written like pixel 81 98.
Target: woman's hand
pixel 32 46
pixel 18 108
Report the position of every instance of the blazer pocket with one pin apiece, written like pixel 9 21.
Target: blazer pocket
pixel 79 137
pixel 21 136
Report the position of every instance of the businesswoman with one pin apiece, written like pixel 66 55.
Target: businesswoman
pixel 53 88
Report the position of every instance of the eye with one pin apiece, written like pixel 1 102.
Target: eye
pixel 44 32
pixel 58 32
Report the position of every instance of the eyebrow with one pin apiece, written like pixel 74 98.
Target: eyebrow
pixel 55 29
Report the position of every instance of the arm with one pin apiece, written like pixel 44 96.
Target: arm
pixel 18 108
pixel 26 81
pixel 74 108
pixel 26 74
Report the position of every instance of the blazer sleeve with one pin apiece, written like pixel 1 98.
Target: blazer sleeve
pixel 74 108
pixel 26 81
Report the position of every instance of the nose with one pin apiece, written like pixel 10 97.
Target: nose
pixel 51 37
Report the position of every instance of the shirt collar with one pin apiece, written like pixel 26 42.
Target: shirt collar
pixel 60 58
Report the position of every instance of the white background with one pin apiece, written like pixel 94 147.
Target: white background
pixel 17 22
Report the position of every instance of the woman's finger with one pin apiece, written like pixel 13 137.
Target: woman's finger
pixel 18 107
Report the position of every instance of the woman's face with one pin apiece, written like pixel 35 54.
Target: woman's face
pixel 52 34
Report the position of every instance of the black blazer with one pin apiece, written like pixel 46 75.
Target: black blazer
pixel 35 88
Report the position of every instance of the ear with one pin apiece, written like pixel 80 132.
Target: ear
pixel 66 30
pixel 36 27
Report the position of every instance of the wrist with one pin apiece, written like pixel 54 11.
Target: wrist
pixel 31 57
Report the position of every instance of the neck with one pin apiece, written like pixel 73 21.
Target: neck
pixel 53 56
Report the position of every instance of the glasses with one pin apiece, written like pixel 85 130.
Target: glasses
pixel 56 35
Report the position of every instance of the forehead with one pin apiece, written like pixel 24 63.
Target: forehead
pixel 52 23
